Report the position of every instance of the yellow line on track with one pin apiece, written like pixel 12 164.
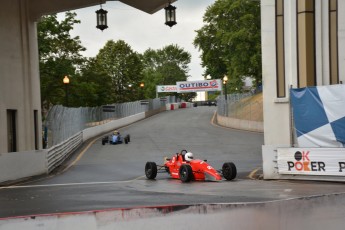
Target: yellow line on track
pixel 81 154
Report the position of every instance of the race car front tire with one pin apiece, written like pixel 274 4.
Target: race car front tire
pixel 151 170
pixel 229 171
pixel 186 173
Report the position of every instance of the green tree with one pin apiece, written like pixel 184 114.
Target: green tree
pixel 230 41
pixel 124 66
pixel 59 56
pixel 94 86
pixel 164 66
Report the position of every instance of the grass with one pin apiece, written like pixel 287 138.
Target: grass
pixel 250 108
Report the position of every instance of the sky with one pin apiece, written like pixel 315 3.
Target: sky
pixel 142 31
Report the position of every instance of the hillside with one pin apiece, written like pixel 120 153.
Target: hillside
pixel 250 108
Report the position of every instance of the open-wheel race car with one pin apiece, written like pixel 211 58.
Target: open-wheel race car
pixel 116 138
pixel 184 167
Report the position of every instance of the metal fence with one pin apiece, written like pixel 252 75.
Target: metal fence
pixel 62 123
pixel 240 106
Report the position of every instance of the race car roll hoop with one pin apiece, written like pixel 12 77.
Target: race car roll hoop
pixel 183 166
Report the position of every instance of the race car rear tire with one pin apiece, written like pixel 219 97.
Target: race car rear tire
pixel 151 170
pixel 186 173
pixel 126 140
pixel 229 171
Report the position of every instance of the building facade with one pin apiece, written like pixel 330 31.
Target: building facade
pixel 303 44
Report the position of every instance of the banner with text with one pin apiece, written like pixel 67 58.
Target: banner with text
pixel 166 89
pixel 311 161
pixel 197 86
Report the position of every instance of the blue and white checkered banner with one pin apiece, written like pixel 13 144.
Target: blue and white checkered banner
pixel 319 115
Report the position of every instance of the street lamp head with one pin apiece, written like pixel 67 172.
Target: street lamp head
pixel 225 79
pixel 170 15
pixel 66 80
pixel 101 19
pixel 142 85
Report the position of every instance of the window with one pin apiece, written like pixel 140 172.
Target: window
pixel 306 43
pixel 12 130
pixel 333 42
pixel 280 53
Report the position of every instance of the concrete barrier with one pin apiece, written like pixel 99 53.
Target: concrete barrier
pixel 172 106
pixel 16 165
pixel 184 105
pixel 309 213
pixel 255 126
pixel 154 112
pixel 114 124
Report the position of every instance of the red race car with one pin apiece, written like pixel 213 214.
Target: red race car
pixel 184 167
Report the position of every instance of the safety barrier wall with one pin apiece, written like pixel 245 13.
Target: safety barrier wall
pixel 61 122
pixel 17 165
pixel 60 152
pixel 172 106
pixel 255 126
pixel 97 130
pixel 310 213
pixel 270 167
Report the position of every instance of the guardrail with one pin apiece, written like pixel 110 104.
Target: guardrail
pixel 60 152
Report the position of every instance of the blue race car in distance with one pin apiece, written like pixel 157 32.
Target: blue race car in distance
pixel 116 138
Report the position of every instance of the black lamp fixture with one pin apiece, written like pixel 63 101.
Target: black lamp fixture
pixel 170 15
pixel 101 19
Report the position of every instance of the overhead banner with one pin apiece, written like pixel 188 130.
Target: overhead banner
pixel 197 86
pixel 319 115
pixel 166 89
pixel 311 161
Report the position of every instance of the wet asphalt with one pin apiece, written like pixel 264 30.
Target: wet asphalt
pixel 112 176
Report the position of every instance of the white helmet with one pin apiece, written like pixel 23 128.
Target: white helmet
pixel 188 156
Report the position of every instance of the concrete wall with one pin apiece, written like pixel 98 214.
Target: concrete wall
pixel 234 123
pixel 18 165
pixel 172 106
pixel 310 213
pixel 154 112
pixel 20 83
pixel 107 127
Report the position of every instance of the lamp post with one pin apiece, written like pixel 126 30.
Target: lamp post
pixel 208 77
pixel 66 82
pixel 142 85
pixel 225 81
pixel 130 92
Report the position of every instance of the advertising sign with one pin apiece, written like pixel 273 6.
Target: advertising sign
pixel 166 88
pixel 196 86
pixel 312 161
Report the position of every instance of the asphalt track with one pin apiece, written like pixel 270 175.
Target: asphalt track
pixel 101 177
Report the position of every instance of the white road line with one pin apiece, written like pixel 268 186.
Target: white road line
pixel 71 184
